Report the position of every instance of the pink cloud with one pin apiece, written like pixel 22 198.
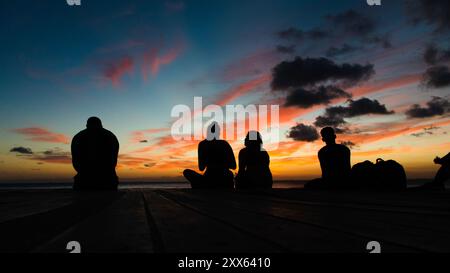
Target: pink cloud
pixel 115 71
pixel 153 61
pixel 42 135
pixel 250 65
pixel 242 89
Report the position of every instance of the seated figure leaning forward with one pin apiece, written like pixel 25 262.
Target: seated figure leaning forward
pixel 94 157
pixel 216 158
pixel 335 163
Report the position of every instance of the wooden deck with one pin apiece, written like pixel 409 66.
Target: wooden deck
pixel 186 221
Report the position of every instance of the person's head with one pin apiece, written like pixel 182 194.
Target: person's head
pixel 94 123
pixel 328 135
pixel 213 131
pixel 253 140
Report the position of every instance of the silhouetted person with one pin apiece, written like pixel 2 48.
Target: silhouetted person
pixel 94 157
pixel 334 162
pixel 442 175
pixel 254 171
pixel 216 156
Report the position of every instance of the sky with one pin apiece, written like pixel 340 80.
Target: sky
pixel 378 74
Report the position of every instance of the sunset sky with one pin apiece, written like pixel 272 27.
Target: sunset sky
pixel 379 74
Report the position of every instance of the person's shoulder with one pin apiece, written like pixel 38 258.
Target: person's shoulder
pixel 79 135
pixel 223 142
pixel 343 147
pixel 243 151
pixel 323 149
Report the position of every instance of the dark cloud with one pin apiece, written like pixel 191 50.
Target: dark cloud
pixel 302 132
pixel 322 95
pixel 437 77
pixel 432 12
pixel 437 106
pixel 293 33
pixel 383 40
pixel 311 71
pixel 349 144
pixel 21 150
pixel 342 50
pixel 353 22
pixel 144 141
pixel 434 55
pixel 328 120
pixel 426 131
pixel 53 155
pixel 335 116
pixel 349 25
pixel 286 49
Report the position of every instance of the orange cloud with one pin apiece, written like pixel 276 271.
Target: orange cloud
pixel 115 71
pixel 139 136
pixel 242 89
pixel 42 135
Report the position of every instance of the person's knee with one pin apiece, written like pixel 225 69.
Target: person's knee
pixel 187 172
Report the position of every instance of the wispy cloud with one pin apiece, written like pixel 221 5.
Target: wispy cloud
pixel 38 134
pixel 117 69
pixel 242 89
pixel 153 60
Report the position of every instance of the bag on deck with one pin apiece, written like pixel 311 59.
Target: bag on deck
pixel 363 175
pixel 390 175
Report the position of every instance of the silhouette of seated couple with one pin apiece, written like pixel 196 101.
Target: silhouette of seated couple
pixel 95 151
pixel 216 159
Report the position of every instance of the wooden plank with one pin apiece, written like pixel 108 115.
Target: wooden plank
pixel 293 236
pixel 433 202
pixel 120 227
pixel 414 231
pixel 17 204
pixel 25 233
pixel 184 230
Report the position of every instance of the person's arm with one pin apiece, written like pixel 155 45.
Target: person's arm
pixel 266 159
pixel 348 163
pixel 75 149
pixel 242 161
pixel 231 161
pixel 116 147
pixel 323 164
pixel 201 157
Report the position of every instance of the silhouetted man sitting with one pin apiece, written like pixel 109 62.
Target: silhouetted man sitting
pixel 94 157
pixel 216 156
pixel 254 171
pixel 334 162
pixel 442 175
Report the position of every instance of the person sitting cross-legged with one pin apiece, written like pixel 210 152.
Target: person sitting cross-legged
pixel 215 158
